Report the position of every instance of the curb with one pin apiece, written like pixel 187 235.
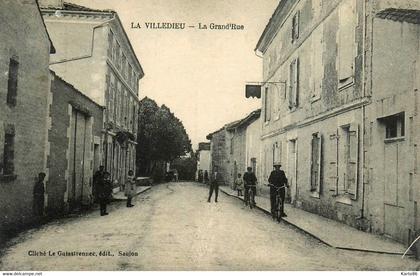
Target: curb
pixel 319 239
pixel 140 192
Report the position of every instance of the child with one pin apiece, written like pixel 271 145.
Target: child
pixel 239 184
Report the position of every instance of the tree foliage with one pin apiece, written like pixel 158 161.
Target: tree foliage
pixel 161 136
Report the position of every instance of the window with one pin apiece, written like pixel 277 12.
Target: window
pixel 295 26
pixel 317 65
pixel 276 152
pixel 294 84
pixel 394 125
pixel 8 151
pixel 348 159
pixel 316 162
pixel 12 82
pixel 346 43
pixel 267 105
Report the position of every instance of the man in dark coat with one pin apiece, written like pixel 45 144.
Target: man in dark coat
pixel 214 184
pixel 250 182
pixel 102 188
pixel 38 193
pixel 277 179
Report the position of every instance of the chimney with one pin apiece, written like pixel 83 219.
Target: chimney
pixel 54 4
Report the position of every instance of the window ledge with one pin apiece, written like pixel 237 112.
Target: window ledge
pixel 344 199
pixel 345 83
pixel 315 98
pixel 315 194
pixel 8 177
pixel 394 139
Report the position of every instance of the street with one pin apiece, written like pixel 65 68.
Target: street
pixel 173 227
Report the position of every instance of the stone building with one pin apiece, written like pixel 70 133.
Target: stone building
pixel 244 145
pixel 75 143
pixel 24 90
pixel 95 55
pixel 340 110
pixel 220 148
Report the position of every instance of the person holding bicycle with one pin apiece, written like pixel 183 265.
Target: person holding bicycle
pixel 250 181
pixel 278 184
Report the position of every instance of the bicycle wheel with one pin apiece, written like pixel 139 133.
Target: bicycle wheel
pixel 251 198
pixel 279 210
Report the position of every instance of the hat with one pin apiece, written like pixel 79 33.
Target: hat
pixel 276 164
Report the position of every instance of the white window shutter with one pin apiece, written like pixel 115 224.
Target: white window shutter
pixel 332 177
pixel 347 26
pixel 296 79
pixel 352 170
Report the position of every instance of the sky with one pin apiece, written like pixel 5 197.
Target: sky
pixel 199 74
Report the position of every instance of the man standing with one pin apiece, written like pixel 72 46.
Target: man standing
pixel 38 192
pixel 214 184
pixel 102 188
pixel 250 181
pixel 278 181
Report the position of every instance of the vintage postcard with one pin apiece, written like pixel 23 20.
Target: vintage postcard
pixel 209 135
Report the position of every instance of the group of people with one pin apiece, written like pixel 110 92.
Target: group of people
pixel 277 182
pixel 102 187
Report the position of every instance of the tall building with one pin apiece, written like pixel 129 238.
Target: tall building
pixel 24 95
pixel 339 110
pixel 95 55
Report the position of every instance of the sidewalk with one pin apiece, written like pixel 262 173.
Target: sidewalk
pixel 330 232
pixel 120 195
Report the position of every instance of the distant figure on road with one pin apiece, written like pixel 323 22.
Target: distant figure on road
pixel 98 176
pixel 239 184
pixel 214 184
pixel 250 182
pixel 103 191
pixel 206 177
pixel 279 180
pixel 130 188
pixel 38 193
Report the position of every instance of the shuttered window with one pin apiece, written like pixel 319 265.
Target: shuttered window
pixel 346 42
pixel 295 26
pixel 9 151
pixel 267 105
pixel 352 160
pixel 294 84
pixel 332 169
pixel 316 150
pixel 317 66
pixel 12 82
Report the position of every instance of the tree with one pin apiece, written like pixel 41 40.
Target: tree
pixel 161 137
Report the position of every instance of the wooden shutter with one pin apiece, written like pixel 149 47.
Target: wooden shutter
pixel 353 160
pixel 332 164
pixel 315 161
pixel 294 83
pixel 346 50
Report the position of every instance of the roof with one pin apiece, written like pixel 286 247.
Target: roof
pixel 251 117
pixel 73 8
pixel 401 15
pixel 203 146
pixel 76 90
pixel 274 24
pixel 52 49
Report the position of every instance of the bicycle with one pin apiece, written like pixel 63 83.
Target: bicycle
pixel 279 207
pixel 250 199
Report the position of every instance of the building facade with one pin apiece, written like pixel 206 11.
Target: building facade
pixel 96 56
pixel 75 150
pixel 203 162
pixel 320 113
pixel 24 92
pixel 220 148
pixel 244 145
